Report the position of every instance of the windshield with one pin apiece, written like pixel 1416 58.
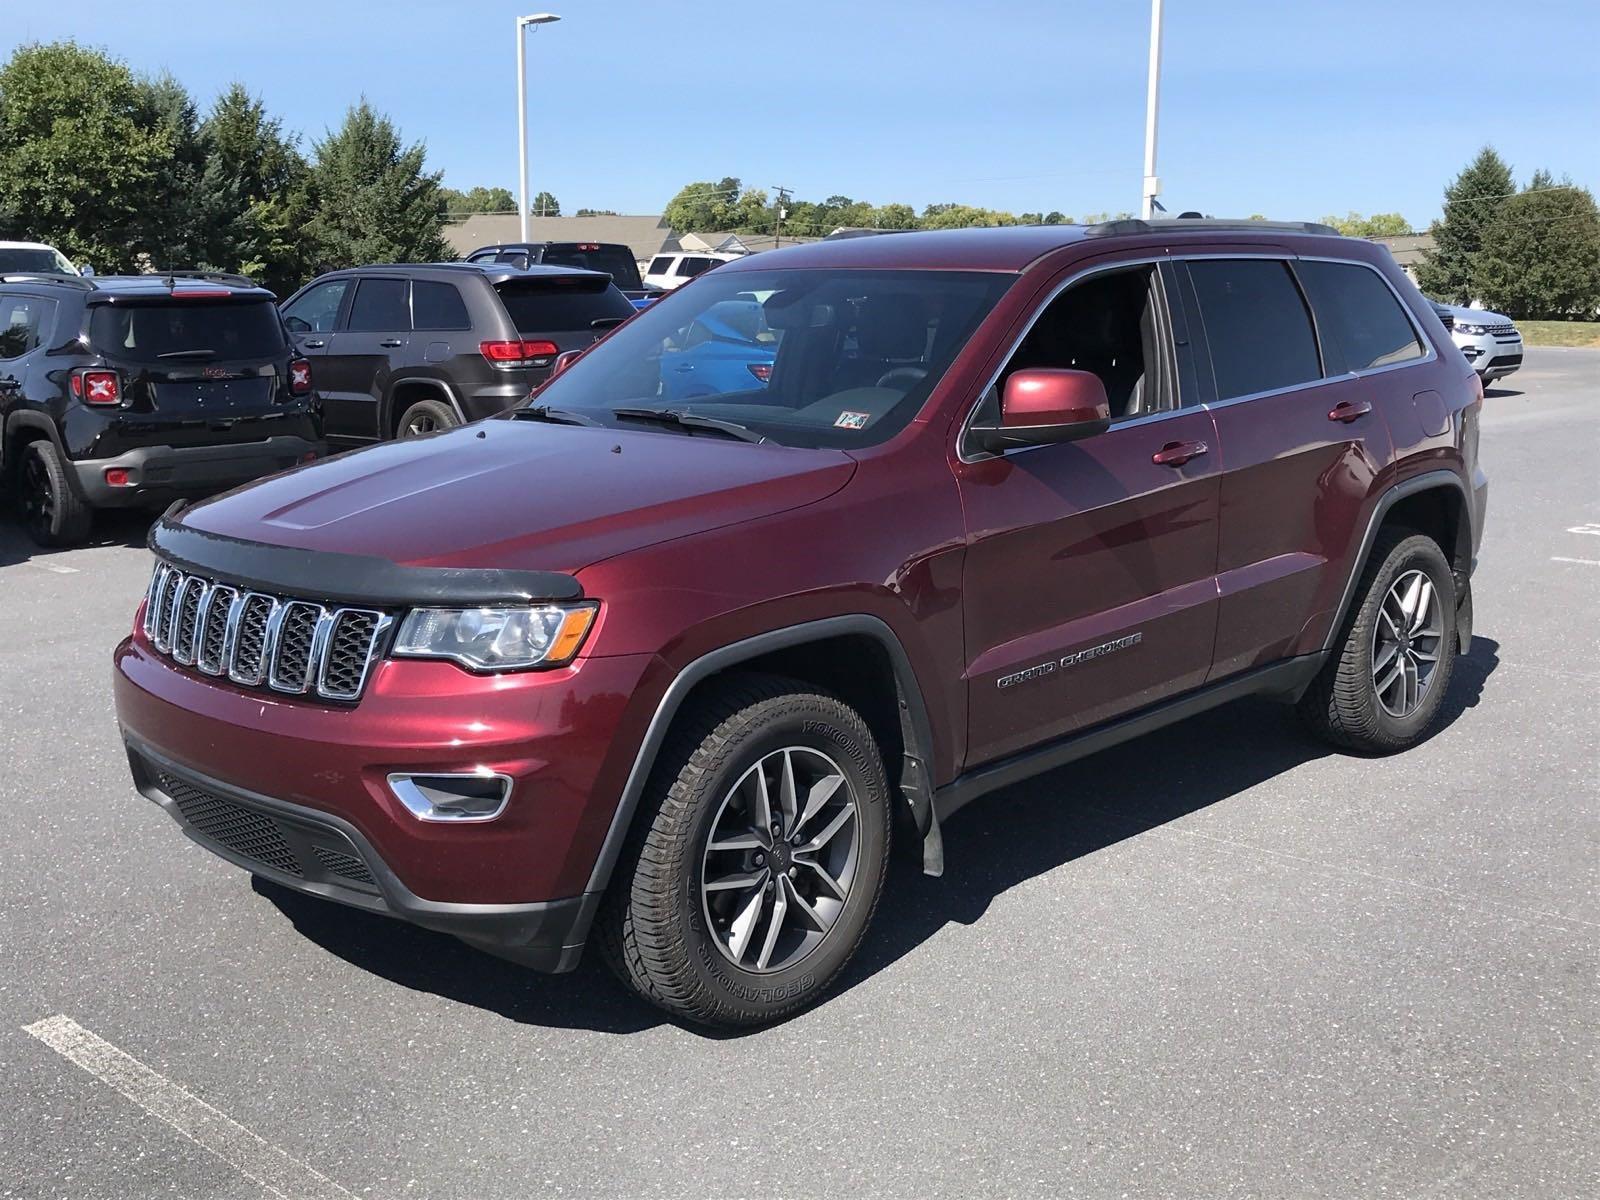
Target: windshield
pixel 615 261
pixel 839 358
pixel 34 261
pixel 150 332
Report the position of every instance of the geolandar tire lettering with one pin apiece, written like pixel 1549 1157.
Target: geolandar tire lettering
pixel 758 857
pixel 1384 685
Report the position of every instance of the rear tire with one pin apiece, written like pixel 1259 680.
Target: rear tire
pixel 720 922
pixel 52 511
pixel 425 417
pixel 1382 689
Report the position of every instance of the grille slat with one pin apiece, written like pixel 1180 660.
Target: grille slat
pixel 290 645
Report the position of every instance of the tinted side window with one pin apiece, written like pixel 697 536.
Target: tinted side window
pixel 1256 325
pixel 437 306
pixel 24 324
pixel 690 267
pixel 380 306
pixel 1362 323
pixel 660 265
pixel 318 309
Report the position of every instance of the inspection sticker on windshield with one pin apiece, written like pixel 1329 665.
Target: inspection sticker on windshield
pixel 852 420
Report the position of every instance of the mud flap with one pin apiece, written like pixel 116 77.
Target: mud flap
pixel 914 786
pixel 1464 618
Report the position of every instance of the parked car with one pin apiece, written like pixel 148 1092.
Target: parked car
pixel 672 676
pixel 1490 341
pixel 615 259
pixel 410 349
pixel 668 271
pixel 727 348
pixel 133 392
pixel 33 258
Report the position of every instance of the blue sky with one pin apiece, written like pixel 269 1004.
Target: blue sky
pixel 1292 109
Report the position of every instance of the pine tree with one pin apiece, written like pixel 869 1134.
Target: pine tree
pixel 373 201
pixel 1470 204
pixel 1540 258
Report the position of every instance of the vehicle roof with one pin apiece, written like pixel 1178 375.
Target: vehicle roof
pixel 111 287
pixel 1015 247
pixel 547 244
pixel 26 246
pixel 493 272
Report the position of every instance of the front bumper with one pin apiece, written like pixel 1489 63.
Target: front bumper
pixel 1493 356
pixel 322 855
pixel 158 475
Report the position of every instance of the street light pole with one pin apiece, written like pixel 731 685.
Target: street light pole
pixel 522 107
pixel 1152 184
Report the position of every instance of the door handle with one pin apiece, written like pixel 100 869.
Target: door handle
pixel 1348 410
pixel 391 343
pixel 316 345
pixel 1175 454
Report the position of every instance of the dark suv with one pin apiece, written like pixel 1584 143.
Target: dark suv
pixel 405 350
pixel 134 392
pixel 671 674
pixel 615 259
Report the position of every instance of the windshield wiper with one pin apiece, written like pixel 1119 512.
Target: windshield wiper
pixel 556 416
pixel 688 420
pixel 188 354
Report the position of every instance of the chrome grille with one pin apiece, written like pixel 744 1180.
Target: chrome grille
pixel 292 646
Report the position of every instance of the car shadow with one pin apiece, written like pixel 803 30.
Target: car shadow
pixel 1496 393
pixel 992 846
pixel 111 528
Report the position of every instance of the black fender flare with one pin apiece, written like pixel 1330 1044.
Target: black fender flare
pixel 1429 481
pixel 388 414
pixel 28 419
pixel 915 777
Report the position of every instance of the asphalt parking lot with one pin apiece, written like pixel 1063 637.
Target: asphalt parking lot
pixel 1220 961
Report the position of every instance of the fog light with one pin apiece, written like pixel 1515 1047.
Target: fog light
pixel 478 796
pixel 117 477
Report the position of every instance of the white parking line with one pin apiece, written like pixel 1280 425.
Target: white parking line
pixel 1587 562
pixel 53 568
pixel 1592 527
pixel 207 1128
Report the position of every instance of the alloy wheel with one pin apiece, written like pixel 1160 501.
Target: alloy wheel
pixel 1407 644
pixel 38 497
pixel 421 424
pixel 780 859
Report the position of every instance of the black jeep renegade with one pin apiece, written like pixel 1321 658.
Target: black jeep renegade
pixel 135 391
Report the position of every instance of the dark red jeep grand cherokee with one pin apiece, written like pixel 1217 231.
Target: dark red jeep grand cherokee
pixel 941 511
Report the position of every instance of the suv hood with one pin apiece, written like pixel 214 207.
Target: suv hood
pixel 1478 316
pixel 523 496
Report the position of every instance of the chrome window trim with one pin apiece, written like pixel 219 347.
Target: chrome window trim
pixel 1016 343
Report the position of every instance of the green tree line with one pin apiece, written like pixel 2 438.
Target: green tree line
pixel 126 173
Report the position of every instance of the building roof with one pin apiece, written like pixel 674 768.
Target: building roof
pixel 643 235
pixel 1407 250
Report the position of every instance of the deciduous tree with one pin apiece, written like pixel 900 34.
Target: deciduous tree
pixel 1540 257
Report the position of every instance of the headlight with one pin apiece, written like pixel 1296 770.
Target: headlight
pixel 497 639
pixel 1474 330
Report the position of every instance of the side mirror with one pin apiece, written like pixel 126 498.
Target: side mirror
pixel 1044 405
pixel 86 271
pixel 564 360
pixel 297 324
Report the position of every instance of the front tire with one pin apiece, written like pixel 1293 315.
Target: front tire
pixel 1383 688
pixel 757 859
pixel 52 511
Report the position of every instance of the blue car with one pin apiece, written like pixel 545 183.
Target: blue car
pixel 728 349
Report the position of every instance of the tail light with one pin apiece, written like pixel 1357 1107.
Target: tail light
pixel 300 377
pixel 762 371
pixel 519 354
pixel 97 387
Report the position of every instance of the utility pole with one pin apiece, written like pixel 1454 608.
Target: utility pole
pixel 1152 183
pixel 783 211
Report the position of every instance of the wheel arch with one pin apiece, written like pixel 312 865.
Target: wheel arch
pixel 406 391
pixel 1435 503
pixel 893 708
pixel 22 428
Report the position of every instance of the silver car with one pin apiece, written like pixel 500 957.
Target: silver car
pixel 1490 341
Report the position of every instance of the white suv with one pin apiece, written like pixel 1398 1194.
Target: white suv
pixel 1489 340
pixel 33 258
pixel 674 270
